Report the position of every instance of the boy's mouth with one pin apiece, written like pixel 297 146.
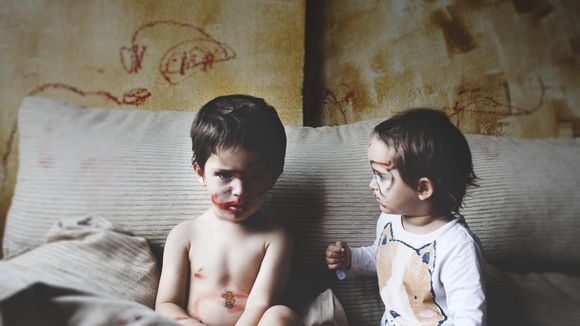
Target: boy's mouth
pixel 234 206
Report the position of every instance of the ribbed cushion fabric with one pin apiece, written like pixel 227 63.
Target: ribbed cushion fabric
pixel 551 298
pixel 526 210
pixel 133 167
pixel 88 254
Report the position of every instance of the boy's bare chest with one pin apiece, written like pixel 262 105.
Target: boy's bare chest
pixel 223 258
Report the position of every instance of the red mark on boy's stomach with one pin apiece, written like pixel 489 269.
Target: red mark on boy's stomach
pixel 198 274
pixel 135 96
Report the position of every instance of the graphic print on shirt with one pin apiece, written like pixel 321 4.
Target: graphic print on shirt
pixel 404 275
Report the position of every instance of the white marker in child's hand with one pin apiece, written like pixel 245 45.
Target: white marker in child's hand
pixel 341 273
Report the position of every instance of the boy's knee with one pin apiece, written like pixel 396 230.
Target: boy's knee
pixel 280 315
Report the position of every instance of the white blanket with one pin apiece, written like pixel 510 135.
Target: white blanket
pixel 88 271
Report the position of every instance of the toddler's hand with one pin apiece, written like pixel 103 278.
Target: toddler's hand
pixel 338 256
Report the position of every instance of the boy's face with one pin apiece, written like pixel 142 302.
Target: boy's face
pixel 391 192
pixel 237 182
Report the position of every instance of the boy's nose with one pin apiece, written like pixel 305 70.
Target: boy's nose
pixel 237 186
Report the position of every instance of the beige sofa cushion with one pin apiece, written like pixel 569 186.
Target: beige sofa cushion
pixel 133 168
pixel 527 207
pixel 129 166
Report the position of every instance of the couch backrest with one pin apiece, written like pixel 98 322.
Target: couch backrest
pixel 133 168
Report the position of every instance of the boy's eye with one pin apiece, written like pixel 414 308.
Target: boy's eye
pixel 224 175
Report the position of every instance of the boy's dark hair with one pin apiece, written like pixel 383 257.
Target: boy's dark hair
pixel 239 120
pixel 427 144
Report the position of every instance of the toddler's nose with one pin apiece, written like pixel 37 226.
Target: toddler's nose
pixel 373 184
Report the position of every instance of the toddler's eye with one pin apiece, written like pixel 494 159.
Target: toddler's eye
pixel 384 179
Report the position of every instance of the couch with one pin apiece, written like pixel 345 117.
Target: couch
pixel 98 190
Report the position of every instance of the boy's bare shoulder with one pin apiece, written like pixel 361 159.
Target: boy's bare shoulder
pixel 184 229
pixel 273 229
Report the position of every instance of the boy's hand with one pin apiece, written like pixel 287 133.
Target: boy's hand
pixel 338 256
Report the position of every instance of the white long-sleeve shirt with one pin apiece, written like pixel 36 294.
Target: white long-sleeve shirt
pixel 425 279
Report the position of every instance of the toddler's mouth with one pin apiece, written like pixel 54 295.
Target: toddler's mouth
pixel 378 199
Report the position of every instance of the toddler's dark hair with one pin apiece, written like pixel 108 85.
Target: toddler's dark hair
pixel 239 120
pixel 427 144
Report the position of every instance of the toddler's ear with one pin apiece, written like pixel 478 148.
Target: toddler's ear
pixel 199 172
pixel 425 188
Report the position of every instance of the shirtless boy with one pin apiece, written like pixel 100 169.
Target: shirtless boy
pixel 230 265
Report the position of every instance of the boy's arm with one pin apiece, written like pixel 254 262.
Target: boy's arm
pixel 271 280
pixel 171 294
pixel 464 282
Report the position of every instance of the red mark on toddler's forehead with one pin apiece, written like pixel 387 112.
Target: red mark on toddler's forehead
pixel 178 318
pixel 387 164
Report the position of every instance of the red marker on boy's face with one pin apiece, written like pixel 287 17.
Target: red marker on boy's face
pixel 234 206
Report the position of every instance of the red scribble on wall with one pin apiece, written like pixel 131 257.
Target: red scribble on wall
pixel 198 51
pixel 473 100
pixel 135 96
pixel 6 154
pixel 340 102
pixel 134 55
pixel 470 99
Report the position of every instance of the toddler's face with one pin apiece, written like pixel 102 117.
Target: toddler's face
pixel 237 181
pixel 391 192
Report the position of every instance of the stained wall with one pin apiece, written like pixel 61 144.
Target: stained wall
pixel 146 54
pixel 496 67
